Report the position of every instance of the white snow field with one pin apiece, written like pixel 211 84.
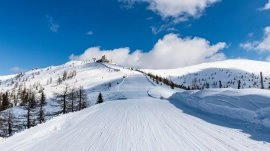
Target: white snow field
pixel 134 122
pixel 140 115
pixel 228 72
pixel 251 105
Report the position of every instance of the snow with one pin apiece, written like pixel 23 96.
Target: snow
pixel 236 64
pixel 228 72
pixel 6 77
pixel 89 75
pixel 251 105
pixel 141 115
pixel 138 120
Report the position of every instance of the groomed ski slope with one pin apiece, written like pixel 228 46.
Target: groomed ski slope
pixel 139 122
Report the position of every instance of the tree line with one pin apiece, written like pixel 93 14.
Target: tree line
pixel 195 83
pixel 29 112
pixel 159 80
pixel 31 107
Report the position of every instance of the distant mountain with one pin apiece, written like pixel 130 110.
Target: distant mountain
pixel 228 72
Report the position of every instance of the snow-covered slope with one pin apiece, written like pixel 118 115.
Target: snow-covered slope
pixel 250 105
pixel 139 122
pixel 228 72
pixel 87 74
pixel 141 115
pixel 2 78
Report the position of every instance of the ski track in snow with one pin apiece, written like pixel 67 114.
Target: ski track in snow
pixel 140 123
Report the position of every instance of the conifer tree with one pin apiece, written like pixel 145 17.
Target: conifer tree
pixel 239 84
pixel 65 74
pixel 5 101
pixel 82 96
pixel 10 122
pixel 62 98
pixel 31 108
pixel 6 123
pixel 100 99
pixel 29 104
pixel 72 99
pixel 42 103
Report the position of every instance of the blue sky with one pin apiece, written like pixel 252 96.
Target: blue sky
pixel 43 33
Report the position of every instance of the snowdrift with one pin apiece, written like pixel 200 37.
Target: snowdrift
pixel 250 105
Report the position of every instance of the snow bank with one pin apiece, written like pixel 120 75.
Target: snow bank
pixel 162 92
pixel 251 105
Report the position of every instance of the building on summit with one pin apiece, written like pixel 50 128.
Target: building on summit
pixel 103 60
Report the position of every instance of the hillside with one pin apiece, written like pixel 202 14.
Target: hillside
pixel 78 73
pixel 92 78
pixel 228 72
pixel 137 122
pixel 139 114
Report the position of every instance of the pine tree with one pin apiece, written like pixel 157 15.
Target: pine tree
pixel 6 123
pixel 100 99
pixel 72 99
pixel 1 100
pixel 5 101
pixel 24 97
pixel 29 106
pixel 59 81
pixel 171 85
pixel 65 74
pixel 82 96
pixel 239 84
pixel 2 124
pixel 220 85
pixel 42 103
pixel 10 123
pixel 61 99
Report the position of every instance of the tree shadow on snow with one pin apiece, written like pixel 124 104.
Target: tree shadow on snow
pixel 257 132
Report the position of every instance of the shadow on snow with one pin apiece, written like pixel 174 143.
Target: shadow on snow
pixel 257 132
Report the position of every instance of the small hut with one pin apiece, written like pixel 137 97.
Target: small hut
pixel 103 60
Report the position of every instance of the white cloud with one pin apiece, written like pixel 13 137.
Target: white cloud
pixel 53 26
pixel 165 27
pixel 17 69
pixel 171 51
pixel 90 33
pixel 267 6
pixel 260 46
pixel 178 9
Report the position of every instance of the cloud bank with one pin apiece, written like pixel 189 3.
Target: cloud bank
pixel 179 9
pixel 171 51
pixel 260 46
